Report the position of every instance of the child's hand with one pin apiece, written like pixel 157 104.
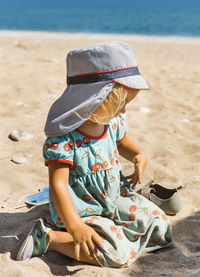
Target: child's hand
pixel 140 162
pixel 85 239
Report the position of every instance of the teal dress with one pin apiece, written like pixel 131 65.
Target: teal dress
pixel 127 222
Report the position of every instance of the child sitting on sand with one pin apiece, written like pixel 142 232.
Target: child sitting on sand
pixel 107 223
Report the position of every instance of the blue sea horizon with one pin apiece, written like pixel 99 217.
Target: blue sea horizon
pixel 138 17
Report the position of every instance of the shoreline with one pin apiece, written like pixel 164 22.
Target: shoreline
pixel 94 36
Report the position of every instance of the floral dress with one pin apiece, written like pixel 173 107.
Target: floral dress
pixel 127 222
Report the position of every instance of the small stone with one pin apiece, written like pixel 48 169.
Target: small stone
pixel 184 120
pixel 17 135
pixel 145 110
pixel 19 159
pixel 24 44
pixel 19 103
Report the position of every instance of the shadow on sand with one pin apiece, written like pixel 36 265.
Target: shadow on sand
pixel 10 239
pixel 180 261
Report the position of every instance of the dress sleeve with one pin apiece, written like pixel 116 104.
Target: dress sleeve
pixel 121 128
pixel 58 149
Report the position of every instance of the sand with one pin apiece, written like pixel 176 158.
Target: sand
pixel 164 121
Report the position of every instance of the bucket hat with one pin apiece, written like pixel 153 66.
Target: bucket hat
pixel 92 72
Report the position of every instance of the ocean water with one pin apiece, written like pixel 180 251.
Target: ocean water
pixel 149 17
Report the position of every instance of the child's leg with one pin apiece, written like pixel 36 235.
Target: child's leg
pixel 41 239
pixel 62 242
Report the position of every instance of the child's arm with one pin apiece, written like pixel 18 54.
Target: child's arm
pixel 132 152
pixel 83 235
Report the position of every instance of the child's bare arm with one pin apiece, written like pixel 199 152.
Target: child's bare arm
pixel 83 235
pixel 132 152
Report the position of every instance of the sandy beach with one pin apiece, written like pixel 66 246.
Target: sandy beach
pixel 165 122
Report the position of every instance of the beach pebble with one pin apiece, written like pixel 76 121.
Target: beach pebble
pixel 19 159
pixel 145 110
pixel 17 135
pixel 19 103
pixel 184 120
pixel 24 44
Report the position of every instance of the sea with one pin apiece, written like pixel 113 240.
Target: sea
pixel 144 17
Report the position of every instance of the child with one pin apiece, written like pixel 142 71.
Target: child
pixel 107 223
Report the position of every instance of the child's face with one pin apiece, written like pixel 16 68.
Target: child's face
pixel 113 106
pixel 130 96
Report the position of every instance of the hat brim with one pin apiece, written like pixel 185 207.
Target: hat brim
pixel 75 106
pixel 78 102
pixel 133 82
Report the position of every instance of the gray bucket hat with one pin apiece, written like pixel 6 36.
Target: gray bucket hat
pixel 92 72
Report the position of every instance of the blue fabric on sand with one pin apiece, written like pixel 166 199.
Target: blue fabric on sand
pixel 127 222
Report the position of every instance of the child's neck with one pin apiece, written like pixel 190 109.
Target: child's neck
pixel 92 129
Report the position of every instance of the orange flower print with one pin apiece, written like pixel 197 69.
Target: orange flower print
pixel 156 212
pixel 112 161
pixel 114 126
pixel 121 121
pixel 118 261
pixel 132 208
pixel 131 217
pixel 95 167
pixel 71 143
pixel 94 217
pixel 54 146
pixel 164 216
pixel 115 152
pixel 119 236
pixel 66 147
pixel 104 164
pixel 113 228
pixel 46 147
pixel 86 140
pixel 78 143
pixel 85 197
pixel 88 221
pixel 132 254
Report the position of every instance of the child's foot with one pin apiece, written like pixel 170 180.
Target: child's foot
pixel 35 243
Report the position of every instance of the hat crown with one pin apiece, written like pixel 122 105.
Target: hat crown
pixel 100 57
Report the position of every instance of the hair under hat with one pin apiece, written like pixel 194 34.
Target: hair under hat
pixel 92 72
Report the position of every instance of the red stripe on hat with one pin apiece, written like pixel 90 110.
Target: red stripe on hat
pixel 128 86
pixel 104 71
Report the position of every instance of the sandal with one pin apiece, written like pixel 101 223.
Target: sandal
pixel 35 243
pixel 166 199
